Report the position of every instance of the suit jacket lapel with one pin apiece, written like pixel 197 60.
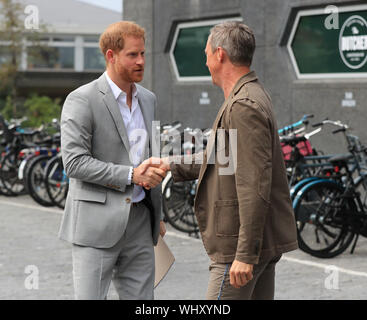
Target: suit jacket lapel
pixel 148 115
pixel 113 108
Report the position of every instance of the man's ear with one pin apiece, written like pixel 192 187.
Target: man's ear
pixel 110 56
pixel 220 54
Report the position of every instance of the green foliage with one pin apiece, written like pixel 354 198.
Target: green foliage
pixel 41 110
pixel 13 32
pixel 7 111
pixel 10 111
pixel 38 110
pixel 2 103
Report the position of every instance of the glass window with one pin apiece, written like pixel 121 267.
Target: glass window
pixel 189 52
pixel 51 57
pixel 63 39
pixel 45 39
pixel 5 56
pixel 93 59
pixel 91 39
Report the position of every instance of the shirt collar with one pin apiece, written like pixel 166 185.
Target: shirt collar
pixel 248 77
pixel 116 90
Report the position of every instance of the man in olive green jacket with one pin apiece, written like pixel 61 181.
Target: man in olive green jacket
pixel 243 207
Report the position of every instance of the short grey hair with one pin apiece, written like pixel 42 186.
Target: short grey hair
pixel 236 38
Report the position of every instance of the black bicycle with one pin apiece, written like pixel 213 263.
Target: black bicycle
pixel 331 211
pixel 178 197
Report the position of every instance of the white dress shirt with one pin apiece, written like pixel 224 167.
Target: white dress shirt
pixel 135 128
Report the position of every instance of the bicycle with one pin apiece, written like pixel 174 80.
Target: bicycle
pixel 14 141
pixel 329 211
pixel 178 197
pixel 56 181
pixel 301 159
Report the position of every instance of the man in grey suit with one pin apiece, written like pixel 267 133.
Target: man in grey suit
pixel 106 132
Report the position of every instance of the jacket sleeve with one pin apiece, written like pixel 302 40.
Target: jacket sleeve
pixel 185 168
pixel 76 147
pixel 253 175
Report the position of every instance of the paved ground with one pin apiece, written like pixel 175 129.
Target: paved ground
pixel 28 237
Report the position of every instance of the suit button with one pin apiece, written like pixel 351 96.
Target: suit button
pixel 128 200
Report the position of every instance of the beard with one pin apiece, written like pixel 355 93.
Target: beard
pixel 131 75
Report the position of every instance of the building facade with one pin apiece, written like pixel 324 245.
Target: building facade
pixel 67 54
pixel 311 57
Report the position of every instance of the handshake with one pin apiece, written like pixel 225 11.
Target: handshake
pixel 151 172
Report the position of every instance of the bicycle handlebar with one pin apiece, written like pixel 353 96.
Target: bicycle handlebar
pixel 317 124
pixel 335 123
pixel 307 116
pixel 339 130
pixel 296 124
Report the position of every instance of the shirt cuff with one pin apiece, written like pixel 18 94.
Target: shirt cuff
pixel 130 175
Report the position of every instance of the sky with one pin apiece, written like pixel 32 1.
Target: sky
pixel 109 4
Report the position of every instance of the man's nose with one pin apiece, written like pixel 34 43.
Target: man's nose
pixel 141 60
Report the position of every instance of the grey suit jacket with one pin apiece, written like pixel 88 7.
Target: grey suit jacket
pixel 95 152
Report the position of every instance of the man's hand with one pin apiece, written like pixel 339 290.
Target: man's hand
pixel 240 273
pixel 154 163
pixel 148 176
pixel 162 228
pixel 161 163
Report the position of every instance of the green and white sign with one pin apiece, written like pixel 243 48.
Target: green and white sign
pixel 353 42
pixel 340 51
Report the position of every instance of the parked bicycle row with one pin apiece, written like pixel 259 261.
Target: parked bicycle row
pixel 31 163
pixel 329 191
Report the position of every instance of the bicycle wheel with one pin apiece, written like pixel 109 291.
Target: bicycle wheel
pixel 361 188
pixel 3 190
pixel 3 175
pixel 178 203
pixel 11 185
pixel 322 219
pixel 35 180
pixel 56 182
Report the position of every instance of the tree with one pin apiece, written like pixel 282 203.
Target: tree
pixel 13 33
pixel 41 110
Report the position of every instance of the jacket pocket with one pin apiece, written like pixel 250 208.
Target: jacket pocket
pixel 227 221
pixel 90 195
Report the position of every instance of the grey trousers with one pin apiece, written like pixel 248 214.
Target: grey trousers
pixel 129 263
pixel 261 287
